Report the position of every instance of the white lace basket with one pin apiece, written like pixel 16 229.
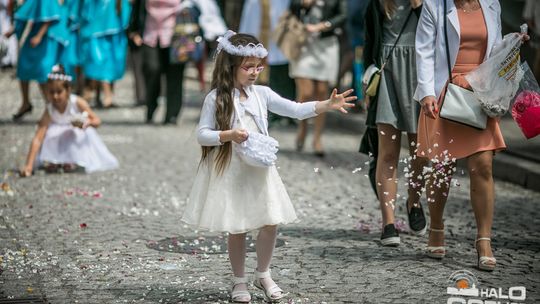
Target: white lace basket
pixel 258 150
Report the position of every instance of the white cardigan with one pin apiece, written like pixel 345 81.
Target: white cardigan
pixel 207 135
pixel 431 64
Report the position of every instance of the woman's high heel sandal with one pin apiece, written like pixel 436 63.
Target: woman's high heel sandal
pixel 240 296
pixel 272 293
pixel 484 262
pixel 436 252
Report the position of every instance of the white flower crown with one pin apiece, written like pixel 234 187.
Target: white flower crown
pixel 249 50
pixel 58 76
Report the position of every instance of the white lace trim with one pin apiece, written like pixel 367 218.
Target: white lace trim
pixel 249 50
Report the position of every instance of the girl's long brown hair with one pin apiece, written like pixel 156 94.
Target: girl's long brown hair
pixel 223 82
pixel 389 7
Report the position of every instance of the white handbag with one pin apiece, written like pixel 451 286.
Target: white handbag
pixel 461 105
pixel 258 150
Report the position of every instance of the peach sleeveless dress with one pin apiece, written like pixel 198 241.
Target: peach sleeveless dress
pixel 440 138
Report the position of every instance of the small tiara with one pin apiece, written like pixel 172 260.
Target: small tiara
pixel 249 50
pixel 58 76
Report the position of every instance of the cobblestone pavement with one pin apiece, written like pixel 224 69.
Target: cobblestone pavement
pixel 116 237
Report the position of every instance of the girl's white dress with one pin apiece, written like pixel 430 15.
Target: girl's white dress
pixel 66 144
pixel 243 197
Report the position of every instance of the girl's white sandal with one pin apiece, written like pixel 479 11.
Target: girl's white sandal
pixel 271 294
pixel 240 296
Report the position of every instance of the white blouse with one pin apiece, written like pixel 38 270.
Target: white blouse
pixel 208 135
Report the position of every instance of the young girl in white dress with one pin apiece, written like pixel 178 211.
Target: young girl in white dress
pixel 66 136
pixel 228 194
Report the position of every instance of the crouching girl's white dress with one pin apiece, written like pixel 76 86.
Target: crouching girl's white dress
pixel 66 144
pixel 243 197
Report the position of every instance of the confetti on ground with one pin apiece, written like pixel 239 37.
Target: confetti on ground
pixel 82 193
pixel 5 189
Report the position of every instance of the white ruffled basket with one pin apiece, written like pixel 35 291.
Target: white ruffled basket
pixel 258 150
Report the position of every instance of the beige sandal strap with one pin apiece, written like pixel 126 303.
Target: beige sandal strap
pixel 262 275
pixel 483 239
pixel 485 259
pixel 436 248
pixel 436 230
pixel 273 290
pixel 240 293
pixel 239 280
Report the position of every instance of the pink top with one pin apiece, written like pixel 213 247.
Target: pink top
pixel 440 138
pixel 160 21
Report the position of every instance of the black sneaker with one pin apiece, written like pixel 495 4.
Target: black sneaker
pixel 390 236
pixel 417 220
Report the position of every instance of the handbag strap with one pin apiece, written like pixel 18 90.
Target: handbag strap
pixel 397 40
pixel 259 106
pixel 288 16
pixel 446 43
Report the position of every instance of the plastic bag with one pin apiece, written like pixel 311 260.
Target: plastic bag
pixel 526 108
pixel 496 81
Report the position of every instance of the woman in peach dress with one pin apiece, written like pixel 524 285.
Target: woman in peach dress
pixel 473 28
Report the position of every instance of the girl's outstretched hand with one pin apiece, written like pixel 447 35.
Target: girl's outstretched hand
pixel 340 101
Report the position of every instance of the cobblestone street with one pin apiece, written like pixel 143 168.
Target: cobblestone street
pixel 116 237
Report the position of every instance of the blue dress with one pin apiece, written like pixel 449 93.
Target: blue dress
pixel 71 55
pixel 35 63
pixel 103 39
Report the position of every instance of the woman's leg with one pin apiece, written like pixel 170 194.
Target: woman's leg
pixel 482 197
pixel 152 79
pixel 25 94
pixel 136 61
pixel 266 241
pixel 26 106
pixel 43 90
pixel 415 184
pixel 437 193
pixel 305 92
pixel 107 94
pixel 236 244
pixel 321 93
pixel 79 85
pixel 174 74
pixel 386 175
pixel 89 90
